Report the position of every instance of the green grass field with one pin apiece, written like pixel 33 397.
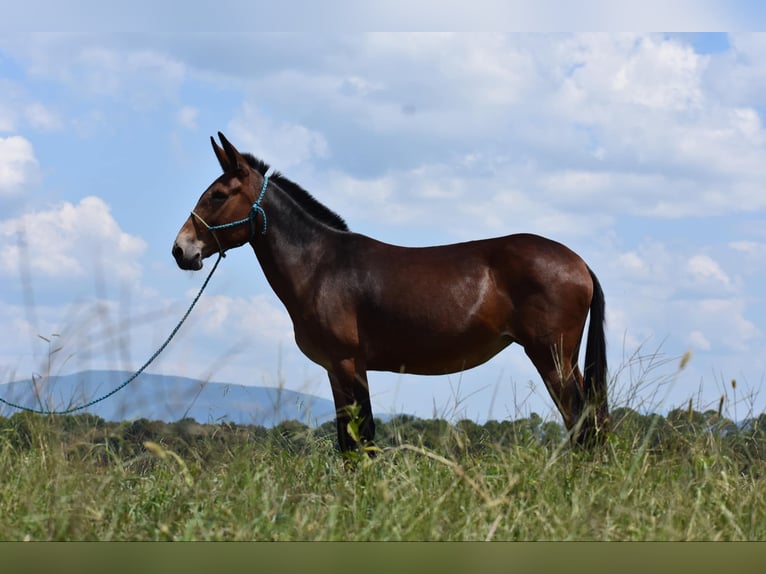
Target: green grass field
pixel 687 476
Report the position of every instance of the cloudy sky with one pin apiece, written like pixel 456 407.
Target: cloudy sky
pixel 644 153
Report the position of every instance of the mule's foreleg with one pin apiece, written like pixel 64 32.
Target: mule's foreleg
pixel 353 409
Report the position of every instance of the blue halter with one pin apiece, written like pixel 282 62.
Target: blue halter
pixel 256 208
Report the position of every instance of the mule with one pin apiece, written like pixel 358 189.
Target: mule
pixel 358 304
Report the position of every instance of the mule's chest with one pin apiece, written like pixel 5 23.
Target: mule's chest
pixel 326 343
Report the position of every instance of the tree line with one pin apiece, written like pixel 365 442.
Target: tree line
pixel 680 431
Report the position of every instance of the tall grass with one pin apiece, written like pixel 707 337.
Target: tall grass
pixel 56 488
pixel 685 477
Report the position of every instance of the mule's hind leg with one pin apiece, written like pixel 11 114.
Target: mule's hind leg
pixel 563 379
pixel 352 405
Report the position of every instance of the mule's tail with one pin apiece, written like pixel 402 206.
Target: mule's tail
pixel 595 370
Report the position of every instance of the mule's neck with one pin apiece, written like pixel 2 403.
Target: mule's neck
pixel 294 245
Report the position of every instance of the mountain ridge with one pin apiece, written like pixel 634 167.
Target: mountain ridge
pixel 166 397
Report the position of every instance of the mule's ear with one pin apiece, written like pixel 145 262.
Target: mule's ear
pixel 236 162
pixel 221 156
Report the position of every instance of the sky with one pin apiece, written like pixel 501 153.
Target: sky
pixel 644 153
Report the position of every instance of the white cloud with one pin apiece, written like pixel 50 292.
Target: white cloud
pixel 93 67
pixel 143 77
pixel 632 263
pixel 724 322
pixel 659 272
pixel 698 340
pixel 619 124
pixel 447 203
pixel 18 106
pixel 187 117
pixel 667 292
pixel 717 328
pixel 68 241
pixel 748 257
pixel 663 75
pixel 245 318
pixel 41 117
pixel 753 248
pixel 704 268
pixel 737 77
pixel 18 165
pixel 281 144
pixel 629 124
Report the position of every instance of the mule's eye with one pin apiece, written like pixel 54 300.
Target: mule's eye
pixel 218 196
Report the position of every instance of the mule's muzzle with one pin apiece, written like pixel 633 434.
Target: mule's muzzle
pixel 188 261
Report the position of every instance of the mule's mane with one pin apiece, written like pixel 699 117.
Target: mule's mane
pixel 303 198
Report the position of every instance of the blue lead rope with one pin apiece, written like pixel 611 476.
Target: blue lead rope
pixel 256 208
pixel 135 375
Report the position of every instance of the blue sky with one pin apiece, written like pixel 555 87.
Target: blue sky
pixel 645 153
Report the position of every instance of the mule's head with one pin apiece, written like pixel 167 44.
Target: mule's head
pixel 230 199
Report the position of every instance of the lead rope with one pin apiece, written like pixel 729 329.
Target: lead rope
pixel 135 375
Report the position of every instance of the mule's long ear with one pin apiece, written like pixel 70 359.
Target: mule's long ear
pixel 236 162
pixel 221 155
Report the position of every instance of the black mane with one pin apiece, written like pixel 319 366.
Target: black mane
pixel 302 197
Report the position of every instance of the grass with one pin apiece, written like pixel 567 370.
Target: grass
pixel 687 476
pixel 82 486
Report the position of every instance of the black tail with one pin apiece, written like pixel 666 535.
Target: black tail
pixel 595 371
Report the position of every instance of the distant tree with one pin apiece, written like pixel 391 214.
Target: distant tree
pixel 475 437
pixel 81 421
pixel 526 430
pixel 22 429
pixel 430 433
pixel 749 443
pixel 398 430
pixel 500 433
pixel 291 435
pixel 142 430
pixel 687 422
pixel 551 433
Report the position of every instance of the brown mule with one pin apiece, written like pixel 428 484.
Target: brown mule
pixel 358 304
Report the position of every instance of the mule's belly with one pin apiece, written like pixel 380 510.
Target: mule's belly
pixel 434 358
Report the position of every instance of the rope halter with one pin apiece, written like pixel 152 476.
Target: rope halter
pixel 256 208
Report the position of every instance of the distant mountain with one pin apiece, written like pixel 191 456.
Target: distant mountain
pixel 168 398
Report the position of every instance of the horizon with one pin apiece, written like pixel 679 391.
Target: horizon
pixel 91 393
